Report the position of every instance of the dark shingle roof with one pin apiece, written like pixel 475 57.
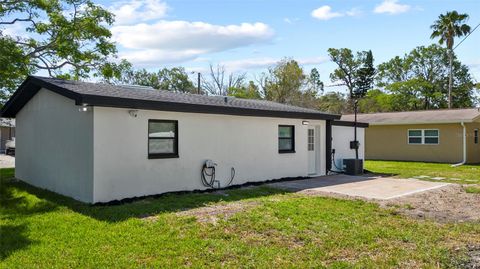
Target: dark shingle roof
pixel 419 117
pixel 99 94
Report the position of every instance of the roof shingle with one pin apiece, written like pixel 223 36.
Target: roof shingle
pixel 101 94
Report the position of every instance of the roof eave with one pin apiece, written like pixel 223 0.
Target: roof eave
pixel 117 102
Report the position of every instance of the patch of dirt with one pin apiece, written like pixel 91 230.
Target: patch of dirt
pixel 447 204
pixel 473 258
pixel 213 213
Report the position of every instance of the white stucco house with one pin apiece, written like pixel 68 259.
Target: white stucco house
pixel 98 142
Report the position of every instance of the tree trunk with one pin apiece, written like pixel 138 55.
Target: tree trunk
pixel 450 78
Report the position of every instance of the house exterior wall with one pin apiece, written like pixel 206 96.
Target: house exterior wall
pixel 473 150
pixel 54 146
pixel 249 144
pixel 390 142
pixel 341 137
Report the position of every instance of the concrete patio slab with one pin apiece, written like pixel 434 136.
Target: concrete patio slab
pixel 370 187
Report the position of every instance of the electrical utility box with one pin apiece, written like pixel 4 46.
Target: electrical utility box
pixel 353 166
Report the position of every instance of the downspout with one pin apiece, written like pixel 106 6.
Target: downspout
pixel 464 146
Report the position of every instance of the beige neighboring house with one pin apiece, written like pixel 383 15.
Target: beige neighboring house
pixel 7 132
pixel 445 136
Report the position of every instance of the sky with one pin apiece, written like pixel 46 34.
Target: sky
pixel 251 35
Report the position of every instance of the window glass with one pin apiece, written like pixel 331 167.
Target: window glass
pixel 415 132
pixel 431 132
pixel 162 139
pixel 431 140
pixel 475 136
pixel 285 131
pixel 286 143
pixel 415 140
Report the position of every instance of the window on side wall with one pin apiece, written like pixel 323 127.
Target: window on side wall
pixel 475 136
pixel 286 139
pixel 423 137
pixel 162 139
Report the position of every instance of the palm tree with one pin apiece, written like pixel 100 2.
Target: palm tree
pixel 447 27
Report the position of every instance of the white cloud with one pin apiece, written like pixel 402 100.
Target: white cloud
pixel 325 13
pixel 133 11
pixel 391 7
pixel 291 20
pixel 176 41
pixel 259 63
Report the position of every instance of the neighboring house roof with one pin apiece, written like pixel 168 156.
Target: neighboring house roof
pixel 7 122
pixel 100 94
pixel 418 117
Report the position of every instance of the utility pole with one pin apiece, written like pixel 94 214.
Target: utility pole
pixel 355 129
pixel 198 84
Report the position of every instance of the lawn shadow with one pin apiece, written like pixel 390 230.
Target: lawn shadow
pixel 129 208
pixel 12 239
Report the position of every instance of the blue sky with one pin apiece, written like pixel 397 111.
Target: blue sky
pixel 250 35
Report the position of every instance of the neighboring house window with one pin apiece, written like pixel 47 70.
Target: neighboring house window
pixel 162 139
pixel 423 137
pixel 475 136
pixel 286 138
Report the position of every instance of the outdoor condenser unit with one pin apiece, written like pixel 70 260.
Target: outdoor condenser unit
pixel 353 166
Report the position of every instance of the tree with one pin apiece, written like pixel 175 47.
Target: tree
pixel 174 79
pixel 365 76
pixel 376 101
pixel 314 81
pixel 219 81
pixel 332 102
pixel 354 72
pixel 419 80
pixel 249 91
pixel 64 38
pixel 446 28
pixel 284 82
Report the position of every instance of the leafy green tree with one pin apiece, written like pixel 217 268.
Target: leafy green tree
pixel 63 38
pixel 365 76
pixel 174 79
pixel 419 80
pixel 314 81
pixel 284 82
pixel 249 91
pixel 446 28
pixel 376 101
pixel 332 102
pixel 353 71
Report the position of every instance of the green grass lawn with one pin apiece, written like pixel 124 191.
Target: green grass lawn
pixel 469 174
pixel 40 229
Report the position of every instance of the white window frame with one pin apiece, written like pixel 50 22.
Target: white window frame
pixel 423 137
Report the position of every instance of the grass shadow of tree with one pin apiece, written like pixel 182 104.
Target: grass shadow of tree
pixel 12 239
pixel 146 206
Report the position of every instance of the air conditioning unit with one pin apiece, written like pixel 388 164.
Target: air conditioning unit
pixel 353 166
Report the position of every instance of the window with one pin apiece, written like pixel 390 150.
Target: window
pixel 311 140
pixel 162 139
pixel 286 139
pixel 423 137
pixel 475 136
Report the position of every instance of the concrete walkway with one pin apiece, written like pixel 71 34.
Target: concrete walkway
pixel 7 161
pixel 370 187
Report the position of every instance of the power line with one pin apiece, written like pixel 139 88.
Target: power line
pixel 467 36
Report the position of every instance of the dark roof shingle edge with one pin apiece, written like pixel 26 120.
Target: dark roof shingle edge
pixel 33 84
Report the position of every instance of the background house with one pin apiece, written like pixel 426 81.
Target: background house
pixel 7 132
pixel 99 142
pixel 448 136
